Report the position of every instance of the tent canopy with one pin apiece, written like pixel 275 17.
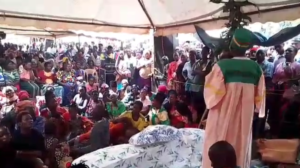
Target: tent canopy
pixel 135 16
pixel 34 32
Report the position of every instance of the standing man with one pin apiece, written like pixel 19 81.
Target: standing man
pixel 280 58
pixel 188 73
pixel 266 66
pixel 232 89
pixel 130 61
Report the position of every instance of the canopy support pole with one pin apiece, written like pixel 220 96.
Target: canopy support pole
pixel 152 41
pixel 147 14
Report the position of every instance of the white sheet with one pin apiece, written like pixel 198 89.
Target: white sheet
pixel 183 153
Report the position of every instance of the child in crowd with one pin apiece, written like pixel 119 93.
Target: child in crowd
pixel 222 155
pixel 92 85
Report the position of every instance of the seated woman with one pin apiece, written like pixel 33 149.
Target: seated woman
pixel 11 74
pixel 55 150
pixel 135 117
pixel 78 70
pixel 54 112
pixel 94 100
pixel 131 96
pixel 27 141
pixel 81 100
pixel 7 151
pixel 115 107
pixel 38 60
pixel 48 79
pixel 66 78
pixel 91 85
pixel 51 108
pixel 158 114
pixel 8 103
pixel 99 135
pixel 146 102
pixel 38 121
pixel 27 80
pixel 9 95
pixel 78 125
pixel 179 113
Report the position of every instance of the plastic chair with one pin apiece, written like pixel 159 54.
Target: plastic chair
pixel 91 72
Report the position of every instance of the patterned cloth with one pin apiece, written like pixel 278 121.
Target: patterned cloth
pixel 158 116
pixel 155 134
pixel 59 154
pixel 180 153
pixel 67 78
pixel 11 77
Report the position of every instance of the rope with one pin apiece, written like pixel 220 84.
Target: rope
pixel 269 91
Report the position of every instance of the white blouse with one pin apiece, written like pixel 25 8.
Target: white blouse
pixel 81 103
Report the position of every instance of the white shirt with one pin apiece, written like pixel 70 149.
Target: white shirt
pixel 81 104
pixel 146 103
pixel 188 67
pixel 190 86
pixel 73 52
pixel 131 60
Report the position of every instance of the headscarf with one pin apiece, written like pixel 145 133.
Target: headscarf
pixel 113 96
pixel 104 86
pixel 162 89
pixel 23 95
pixel 124 81
pixel 23 105
pixel 9 88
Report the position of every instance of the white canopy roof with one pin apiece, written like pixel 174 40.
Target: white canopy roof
pixel 129 16
pixel 34 32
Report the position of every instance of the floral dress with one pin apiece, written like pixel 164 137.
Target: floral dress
pixel 67 78
pixel 60 153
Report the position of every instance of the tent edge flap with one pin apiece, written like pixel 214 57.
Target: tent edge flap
pixel 287 13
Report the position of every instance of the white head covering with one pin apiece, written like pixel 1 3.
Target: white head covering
pixel 7 88
pixel 124 81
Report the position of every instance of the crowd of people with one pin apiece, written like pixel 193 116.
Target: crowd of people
pixel 84 112
pixel 81 113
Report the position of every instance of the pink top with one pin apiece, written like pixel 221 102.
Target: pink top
pixel 25 74
pixel 286 71
pixel 90 88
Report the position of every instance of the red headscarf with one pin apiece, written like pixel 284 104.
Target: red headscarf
pixel 23 95
pixel 162 89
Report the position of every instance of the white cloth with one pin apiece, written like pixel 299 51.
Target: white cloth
pixel 131 60
pixel 73 52
pixel 188 67
pixel 81 103
pixel 182 153
pixel 146 103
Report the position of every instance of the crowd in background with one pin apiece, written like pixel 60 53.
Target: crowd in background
pixel 80 113
pixel 84 111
